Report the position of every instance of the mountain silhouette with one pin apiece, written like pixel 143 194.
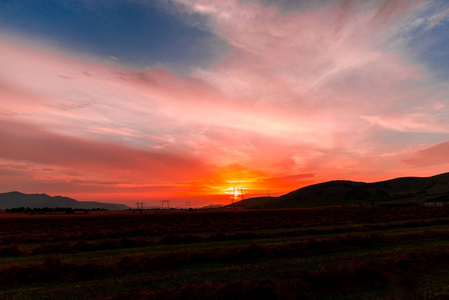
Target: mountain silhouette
pixel 18 199
pixel 342 192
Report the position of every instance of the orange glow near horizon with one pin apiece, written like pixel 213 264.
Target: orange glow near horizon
pixel 320 93
pixel 234 192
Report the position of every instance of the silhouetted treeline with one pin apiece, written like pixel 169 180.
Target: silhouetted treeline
pixel 43 210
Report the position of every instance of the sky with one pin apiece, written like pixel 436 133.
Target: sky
pixel 200 101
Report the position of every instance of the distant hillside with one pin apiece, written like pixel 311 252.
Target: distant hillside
pixel 341 192
pixel 212 206
pixel 17 199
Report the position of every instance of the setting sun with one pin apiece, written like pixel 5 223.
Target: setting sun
pixel 234 193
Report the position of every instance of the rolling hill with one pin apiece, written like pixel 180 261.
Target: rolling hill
pixel 342 192
pixel 17 199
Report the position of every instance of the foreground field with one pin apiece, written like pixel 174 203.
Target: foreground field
pixel 267 254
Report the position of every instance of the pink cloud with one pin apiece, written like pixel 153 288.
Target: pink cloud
pixel 287 55
pixel 28 143
pixel 435 155
pixel 419 122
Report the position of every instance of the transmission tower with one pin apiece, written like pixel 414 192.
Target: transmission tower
pixel 234 198
pixel 165 204
pixel 140 206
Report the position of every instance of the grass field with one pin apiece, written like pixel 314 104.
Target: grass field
pixel 339 253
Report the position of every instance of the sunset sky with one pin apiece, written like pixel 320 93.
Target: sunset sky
pixel 125 100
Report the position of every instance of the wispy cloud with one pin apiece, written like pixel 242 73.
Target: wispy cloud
pixel 437 19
